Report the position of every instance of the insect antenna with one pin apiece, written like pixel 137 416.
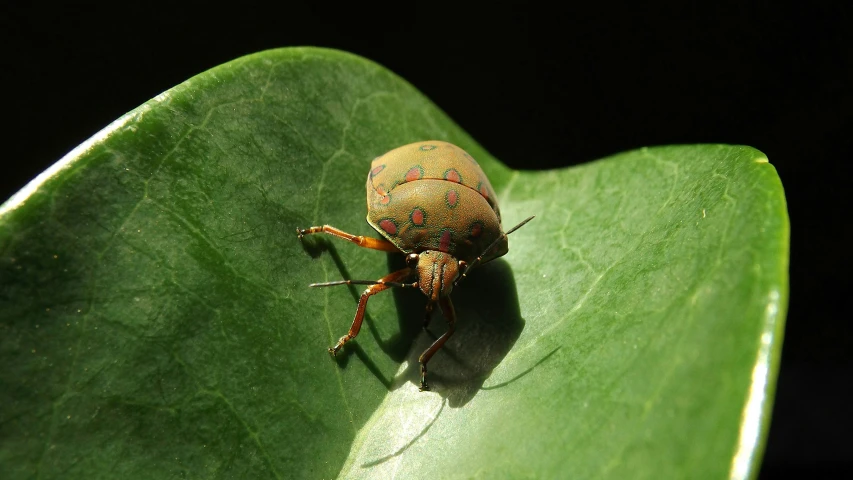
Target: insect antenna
pixel 365 282
pixel 489 248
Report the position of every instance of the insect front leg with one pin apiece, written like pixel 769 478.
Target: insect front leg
pixel 450 314
pixel 397 276
pixel 366 242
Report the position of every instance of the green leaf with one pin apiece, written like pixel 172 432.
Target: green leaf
pixel 157 321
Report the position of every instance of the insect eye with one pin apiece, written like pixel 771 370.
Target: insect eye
pixel 412 259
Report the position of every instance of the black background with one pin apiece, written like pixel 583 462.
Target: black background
pixel 538 89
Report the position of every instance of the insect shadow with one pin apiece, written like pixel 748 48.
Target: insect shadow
pixel 488 323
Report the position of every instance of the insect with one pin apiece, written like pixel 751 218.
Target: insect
pixel 431 201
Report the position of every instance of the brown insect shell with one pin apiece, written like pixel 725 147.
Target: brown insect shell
pixel 433 195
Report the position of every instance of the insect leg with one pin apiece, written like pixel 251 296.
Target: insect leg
pixel 428 315
pixel 366 242
pixel 362 305
pixel 450 314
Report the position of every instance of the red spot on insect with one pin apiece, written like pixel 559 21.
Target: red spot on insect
pixel 451 198
pixel 444 243
pixel 476 229
pixel 413 174
pixel 385 200
pixel 417 217
pixel 483 191
pixel 389 226
pixel 376 170
pixel 452 175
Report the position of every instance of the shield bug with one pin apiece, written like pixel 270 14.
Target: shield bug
pixel 432 202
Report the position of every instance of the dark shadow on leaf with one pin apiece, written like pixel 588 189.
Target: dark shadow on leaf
pixel 487 326
pixel 354 347
pixel 314 245
pixel 399 344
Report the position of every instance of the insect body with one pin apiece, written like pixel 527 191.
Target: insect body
pixel 431 201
